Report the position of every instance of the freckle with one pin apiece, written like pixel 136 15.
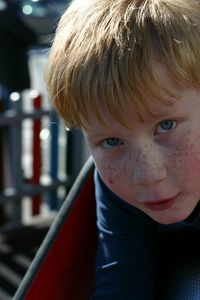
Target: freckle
pixel 110 181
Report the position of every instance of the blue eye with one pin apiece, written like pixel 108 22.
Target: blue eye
pixel 165 126
pixel 111 143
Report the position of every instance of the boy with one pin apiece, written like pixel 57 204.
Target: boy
pixel 126 72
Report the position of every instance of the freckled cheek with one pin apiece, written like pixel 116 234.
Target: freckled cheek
pixel 186 157
pixel 108 167
pixel 111 174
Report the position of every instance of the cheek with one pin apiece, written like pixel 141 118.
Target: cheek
pixel 112 173
pixel 187 155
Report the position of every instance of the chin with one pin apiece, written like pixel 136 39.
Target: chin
pixel 167 218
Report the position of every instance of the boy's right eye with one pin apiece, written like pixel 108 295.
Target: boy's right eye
pixel 111 143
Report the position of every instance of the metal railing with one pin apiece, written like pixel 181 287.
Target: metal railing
pixel 52 161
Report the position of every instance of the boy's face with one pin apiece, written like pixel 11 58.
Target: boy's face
pixel 155 165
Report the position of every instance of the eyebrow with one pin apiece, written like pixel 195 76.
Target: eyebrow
pixel 162 113
pixel 96 136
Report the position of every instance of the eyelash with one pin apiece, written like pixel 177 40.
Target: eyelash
pixel 117 143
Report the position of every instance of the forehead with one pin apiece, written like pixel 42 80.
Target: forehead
pixel 153 102
pixel 132 114
pixel 187 101
pixel 140 101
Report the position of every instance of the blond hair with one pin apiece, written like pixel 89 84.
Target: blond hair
pixel 107 50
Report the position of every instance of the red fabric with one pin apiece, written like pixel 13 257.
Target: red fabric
pixel 36 200
pixel 68 270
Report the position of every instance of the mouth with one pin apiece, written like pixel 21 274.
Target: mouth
pixel 160 205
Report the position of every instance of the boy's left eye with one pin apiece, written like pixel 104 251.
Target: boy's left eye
pixel 165 126
pixel 111 143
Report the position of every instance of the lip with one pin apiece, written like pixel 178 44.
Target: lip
pixel 160 205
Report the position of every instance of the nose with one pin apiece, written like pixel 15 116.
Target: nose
pixel 149 166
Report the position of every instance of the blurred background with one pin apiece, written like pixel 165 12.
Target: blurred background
pixel 42 15
pixel 39 158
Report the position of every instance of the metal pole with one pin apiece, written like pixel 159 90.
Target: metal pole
pixel 15 149
pixel 37 160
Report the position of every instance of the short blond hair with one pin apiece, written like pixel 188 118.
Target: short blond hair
pixel 106 50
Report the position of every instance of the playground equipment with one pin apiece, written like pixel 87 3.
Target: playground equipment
pixel 64 265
